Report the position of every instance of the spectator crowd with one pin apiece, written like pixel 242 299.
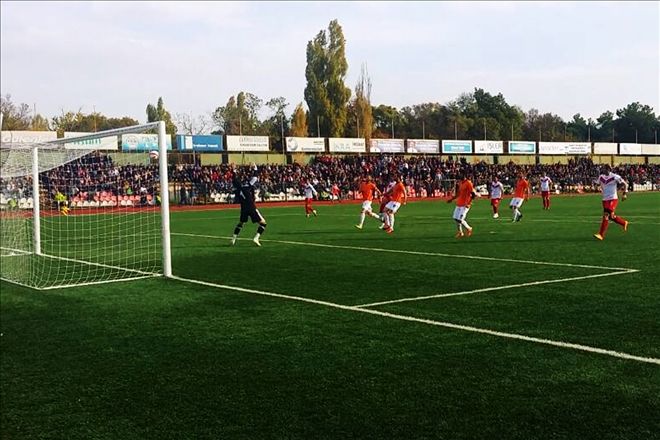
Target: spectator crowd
pixel 97 173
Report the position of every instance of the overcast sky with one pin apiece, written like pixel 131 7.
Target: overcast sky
pixel 561 57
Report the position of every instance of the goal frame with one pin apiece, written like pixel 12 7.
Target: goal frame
pixel 163 180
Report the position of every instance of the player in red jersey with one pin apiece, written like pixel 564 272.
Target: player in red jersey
pixel 385 199
pixel 609 182
pixel 546 185
pixel 335 193
pixel 496 191
pixel 463 194
pixel 519 196
pixel 310 193
pixel 368 190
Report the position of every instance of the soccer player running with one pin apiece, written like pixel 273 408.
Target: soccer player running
pixel 519 196
pixel 398 196
pixel 463 194
pixel 310 193
pixel 244 194
pixel 546 184
pixel 609 184
pixel 496 191
pixel 385 199
pixel 368 190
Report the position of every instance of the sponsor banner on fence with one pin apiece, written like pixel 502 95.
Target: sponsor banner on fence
pixel 305 145
pixel 556 148
pixel 199 142
pixel 488 147
pixel 605 148
pixel 247 143
pixel 456 147
pixel 578 148
pixel 105 143
pixel 347 145
pixel 28 136
pixel 423 146
pixel 651 149
pixel 522 147
pixel 386 146
pixel 142 142
pixel 634 149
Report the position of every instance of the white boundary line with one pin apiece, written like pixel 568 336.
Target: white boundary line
pixel 91 283
pixel 560 344
pixel 428 254
pixel 490 289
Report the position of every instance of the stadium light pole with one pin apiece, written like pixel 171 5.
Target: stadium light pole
pixel 656 135
pixel 423 130
pixel 318 126
pixel 392 127
pixel 455 131
pixel 485 129
pixel 357 122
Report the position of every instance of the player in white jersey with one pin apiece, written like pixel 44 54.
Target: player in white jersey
pixel 609 183
pixel 496 190
pixel 310 193
pixel 546 184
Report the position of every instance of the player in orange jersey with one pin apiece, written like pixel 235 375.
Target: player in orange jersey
pixel 368 190
pixel 398 197
pixel 463 194
pixel 520 194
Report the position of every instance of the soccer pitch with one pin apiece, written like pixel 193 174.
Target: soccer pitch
pixel 525 330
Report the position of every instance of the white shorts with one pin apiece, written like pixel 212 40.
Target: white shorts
pixel 366 205
pixel 460 212
pixel 393 206
pixel 516 202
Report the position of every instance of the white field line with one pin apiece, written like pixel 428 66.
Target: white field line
pixel 428 254
pixel 141 272
pixel 491 289
pixel 91 283
pixel 18 252
pixel 560 344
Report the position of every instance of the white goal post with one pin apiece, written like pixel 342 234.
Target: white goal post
pixel 70 216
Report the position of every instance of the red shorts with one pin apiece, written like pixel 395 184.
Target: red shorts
pixel 610 205
pixel 495 202
pixel 545 193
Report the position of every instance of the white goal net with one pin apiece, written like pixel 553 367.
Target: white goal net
pixel 70 216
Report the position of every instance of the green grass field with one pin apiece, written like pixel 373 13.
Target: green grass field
pixel 549 334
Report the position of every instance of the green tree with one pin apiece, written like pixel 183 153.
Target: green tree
pixel 362 105
pixel 160 113
pixel 578 129
pixel 14 117
pixel 92 122
pixel 277 123
pixel 299 126
pixel 39 123
pixel 325 93
pixel 240 114
pixel 636 123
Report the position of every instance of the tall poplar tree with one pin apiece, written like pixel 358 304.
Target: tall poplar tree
pixel 326 93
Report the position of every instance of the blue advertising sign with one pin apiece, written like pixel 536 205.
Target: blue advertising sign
pixel 522 147
pixel 457 147
pixel 200 142
pixel 142 142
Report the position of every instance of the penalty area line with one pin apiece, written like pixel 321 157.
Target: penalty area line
pixel 397 251
pixel 495 288
pixel 449 325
